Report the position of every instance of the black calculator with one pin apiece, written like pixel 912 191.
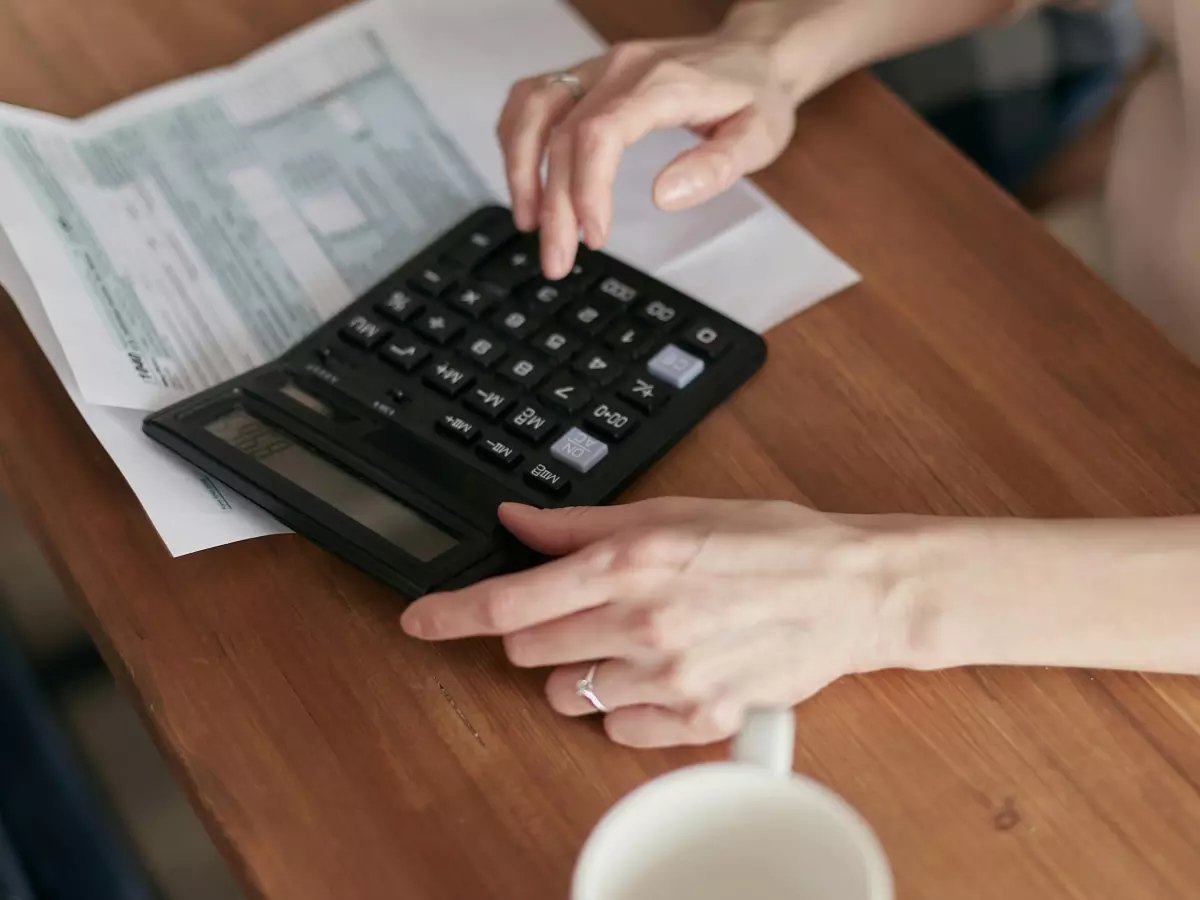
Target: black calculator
pixel 392 433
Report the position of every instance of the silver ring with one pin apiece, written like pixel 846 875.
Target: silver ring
pixel 585 687
pixel 570 79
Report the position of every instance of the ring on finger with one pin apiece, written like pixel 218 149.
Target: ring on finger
pixel 585 687
pixel 571 80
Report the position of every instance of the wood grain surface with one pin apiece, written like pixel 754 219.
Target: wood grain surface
pixel 978 369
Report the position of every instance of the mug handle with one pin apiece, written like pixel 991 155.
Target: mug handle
pixel 767 739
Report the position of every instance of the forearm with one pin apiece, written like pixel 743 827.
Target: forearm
pixel 1096 594
pixel 814 42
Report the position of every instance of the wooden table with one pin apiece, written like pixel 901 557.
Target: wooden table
pixel 978 369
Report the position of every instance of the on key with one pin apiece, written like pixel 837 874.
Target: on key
pixel 550 481
pixel 364 332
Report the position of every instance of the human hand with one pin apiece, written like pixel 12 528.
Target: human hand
pixel 726 87
pixel 696 610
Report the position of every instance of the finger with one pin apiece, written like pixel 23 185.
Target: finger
pixel 559 225
pixel 603 137
pixel 658 726
pixel 742 144
pixel 532 109
pixel 617 683
pixel 556 532
pixel 707 626
pixel 511 603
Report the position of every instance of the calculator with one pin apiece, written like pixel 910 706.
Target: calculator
pixel 391 434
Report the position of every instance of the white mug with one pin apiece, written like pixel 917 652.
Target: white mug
pixel 748 829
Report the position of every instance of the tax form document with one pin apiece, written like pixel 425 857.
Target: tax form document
pixel 185 235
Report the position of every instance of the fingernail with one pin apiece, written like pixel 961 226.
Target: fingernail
pixel 678 188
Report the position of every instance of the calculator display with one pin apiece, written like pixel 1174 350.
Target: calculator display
pixel 395 523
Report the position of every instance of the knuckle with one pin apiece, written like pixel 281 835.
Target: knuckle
pixel 672 72
pixel 627 53
pixel 594 131
pixel 500 610
pixel 657 549
pixel 519 651
pixel 684 681
pixel 654 627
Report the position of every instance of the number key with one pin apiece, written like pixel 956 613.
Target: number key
pixel 618 290
pixel 528 373
pixel 557 345
pixel 611 419
pixel 707 339
pixel 587 316
pixel 658 313
pixel 565 393
pixel 480 347
pixel 546 297
pixel 519 324
pixel 598 366
pixel 630 338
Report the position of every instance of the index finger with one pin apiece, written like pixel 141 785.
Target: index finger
pixel 514 602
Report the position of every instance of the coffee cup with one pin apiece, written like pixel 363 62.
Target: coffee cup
pixel 746 829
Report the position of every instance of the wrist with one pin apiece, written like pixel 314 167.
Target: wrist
pixel 808 44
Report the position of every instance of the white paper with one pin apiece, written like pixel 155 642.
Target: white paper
pixel 189 509
pixel 446 65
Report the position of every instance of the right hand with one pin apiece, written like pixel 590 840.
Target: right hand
pixel 722 86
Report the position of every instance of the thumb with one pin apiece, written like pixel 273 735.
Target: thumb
pixel 557 532
pixel 741 144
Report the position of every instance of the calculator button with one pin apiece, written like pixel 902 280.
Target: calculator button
pixel 558 345
pixel 405 354
pixel 548 480
pixel 398 394
pixel 587 316
pixel 483 349
pixel 676 367
pixel 579 450
pixel 611 419
pixel 512 266
pixel 630 338
pixel 489 399
pixel 517 323
pixel 530 423
pixel 709 340
pixel 528 373
pixel 432 281
pixel 400 306
pixel 644 394
pixel 656 312
pixel 506 456
pixel 458 428
pixel 583 274
pixel 618 290
pixel 478 244
pixel 448 378
pixel 439 327
pixel 470 301
pixel 598 366
pixel 565 393
pixel 364 332
pixel 546 297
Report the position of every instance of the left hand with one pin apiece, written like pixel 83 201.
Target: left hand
pixel 697 610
